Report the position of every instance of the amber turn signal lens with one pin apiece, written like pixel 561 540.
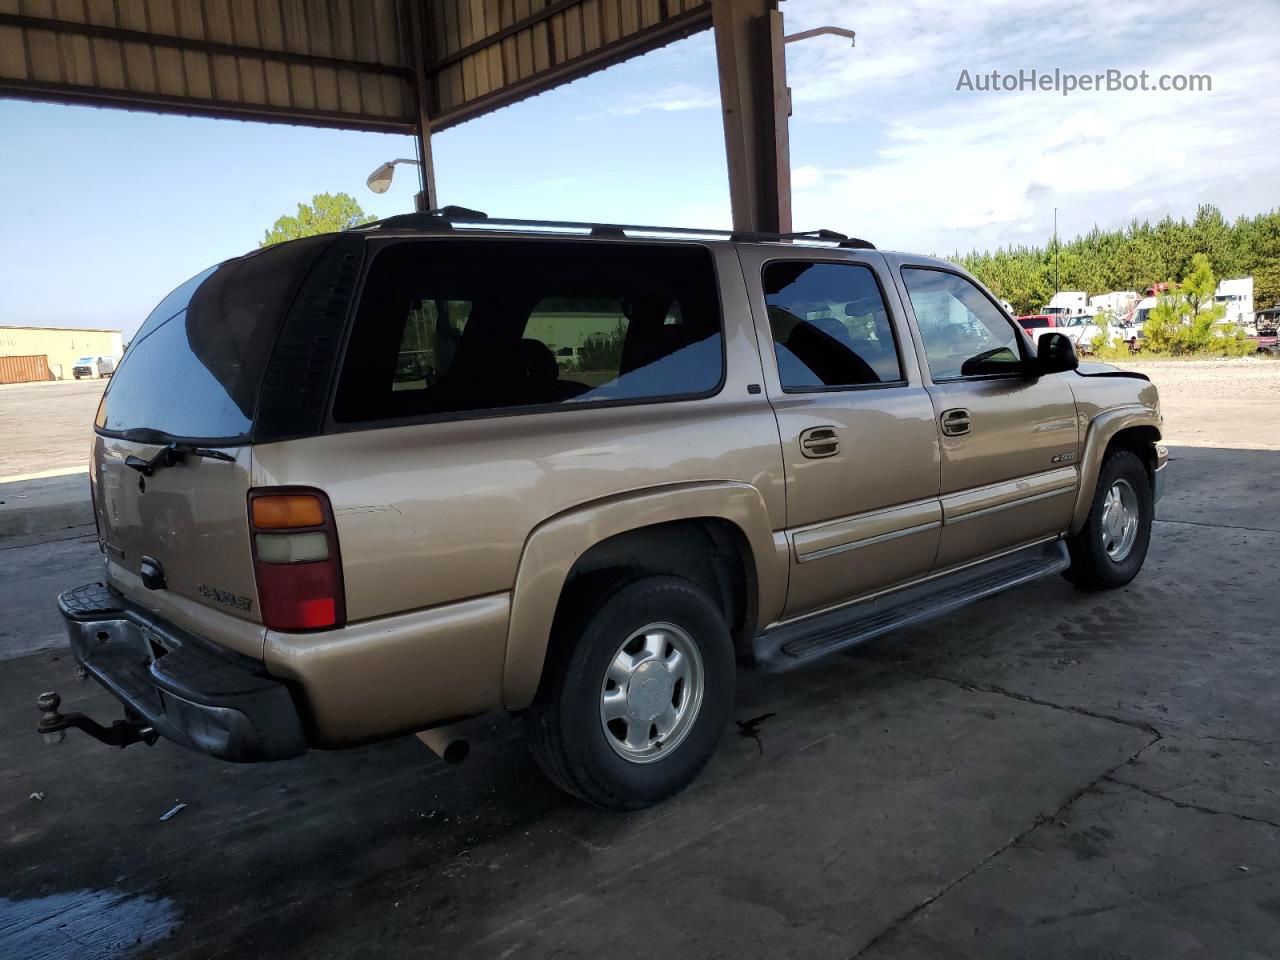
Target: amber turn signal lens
pixel 286 511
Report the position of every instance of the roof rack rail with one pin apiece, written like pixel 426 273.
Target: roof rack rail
pixel 446 219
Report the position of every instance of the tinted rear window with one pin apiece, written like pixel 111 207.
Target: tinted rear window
pixel 447 327
pixel 195 366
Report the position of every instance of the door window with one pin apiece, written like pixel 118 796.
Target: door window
pixel 830 325
pixel 964 333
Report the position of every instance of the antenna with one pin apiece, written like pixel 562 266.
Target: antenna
pixel 1057 280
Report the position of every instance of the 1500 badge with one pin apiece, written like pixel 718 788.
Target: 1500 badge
pixel 1064 457
pixel 222 596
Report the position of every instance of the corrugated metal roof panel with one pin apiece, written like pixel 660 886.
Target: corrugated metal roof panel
pixel 327 62
pixel 346 63
pixel 488 53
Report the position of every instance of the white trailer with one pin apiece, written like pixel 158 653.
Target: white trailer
pixel 1114 305
pixel 1068 303
pixel 1237 296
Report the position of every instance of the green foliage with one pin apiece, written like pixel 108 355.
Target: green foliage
pixel 1261 241
pixel 1198 287
pixel 1102 339
pixel 1187 322
pixel 604 353
pixel 1114 353
pixel 1136 257
pixel 327 213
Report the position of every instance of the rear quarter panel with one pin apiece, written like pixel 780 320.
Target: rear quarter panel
pixel 433 512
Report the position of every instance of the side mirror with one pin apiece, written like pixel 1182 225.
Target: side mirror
pixel 1055 353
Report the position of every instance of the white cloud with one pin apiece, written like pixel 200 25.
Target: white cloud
pixel 1082 126
pixel 938 170
pixel 805 178
pixel 669 99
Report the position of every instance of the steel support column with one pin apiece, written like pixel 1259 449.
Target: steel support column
pixel 755 104
pixel 426 198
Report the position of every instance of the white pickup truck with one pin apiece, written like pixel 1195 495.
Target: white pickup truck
pixel 94 367
pixel 1083 330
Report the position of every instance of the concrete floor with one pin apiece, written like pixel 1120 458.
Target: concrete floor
pixel 1046 774
pixel 44 484
pixel 46 426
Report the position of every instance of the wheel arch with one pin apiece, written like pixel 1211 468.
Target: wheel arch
pixel 1136 429
pixel 715 534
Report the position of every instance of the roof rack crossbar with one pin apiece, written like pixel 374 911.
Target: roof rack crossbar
pixel 447 219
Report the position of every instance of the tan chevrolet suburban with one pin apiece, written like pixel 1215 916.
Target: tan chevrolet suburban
pixel 383 481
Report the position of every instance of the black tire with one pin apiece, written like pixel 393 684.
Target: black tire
pixel 1091 566
pixel 563 725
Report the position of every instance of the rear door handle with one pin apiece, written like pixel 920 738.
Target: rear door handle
pixel 819 442
pixel 955 423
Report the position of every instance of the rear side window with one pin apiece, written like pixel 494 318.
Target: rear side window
pixel 458 326
pixel 830 325
pixel 194 368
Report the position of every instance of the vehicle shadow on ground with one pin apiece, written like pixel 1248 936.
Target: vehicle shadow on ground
pixel 883 778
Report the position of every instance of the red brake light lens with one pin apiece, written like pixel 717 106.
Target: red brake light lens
pixel 295 559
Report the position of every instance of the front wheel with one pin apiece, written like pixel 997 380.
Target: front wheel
pixel 1110 548
pixel 636 690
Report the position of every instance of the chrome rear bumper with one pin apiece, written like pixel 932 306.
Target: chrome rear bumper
pixel 189 691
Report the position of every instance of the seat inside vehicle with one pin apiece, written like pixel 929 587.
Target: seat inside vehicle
pixel 450 327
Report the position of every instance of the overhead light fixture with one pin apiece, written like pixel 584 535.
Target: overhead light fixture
pixel 823 32
pixel 380 180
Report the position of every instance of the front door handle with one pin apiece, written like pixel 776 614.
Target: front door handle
pixel 955 423
pixel 819 442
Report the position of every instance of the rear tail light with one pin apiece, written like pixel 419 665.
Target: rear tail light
pixel 295 559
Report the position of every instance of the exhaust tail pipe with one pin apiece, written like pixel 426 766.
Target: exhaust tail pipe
pixel 448 742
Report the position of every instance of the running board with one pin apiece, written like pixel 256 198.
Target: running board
pixel 800 642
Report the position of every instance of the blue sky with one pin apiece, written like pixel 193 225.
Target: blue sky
pixel 105 211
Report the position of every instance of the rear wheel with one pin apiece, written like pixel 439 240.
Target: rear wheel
pixel 636 690
pixel 1110 548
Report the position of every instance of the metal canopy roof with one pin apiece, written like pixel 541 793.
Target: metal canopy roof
pixel 359 64
pixel 404 66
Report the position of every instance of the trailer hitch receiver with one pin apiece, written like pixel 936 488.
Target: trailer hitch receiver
pixel 53 725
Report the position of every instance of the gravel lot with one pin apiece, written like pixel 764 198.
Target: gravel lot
pixel 1219 403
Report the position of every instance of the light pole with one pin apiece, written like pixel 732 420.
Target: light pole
pixel 1057 283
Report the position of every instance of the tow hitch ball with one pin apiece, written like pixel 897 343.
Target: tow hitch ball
pixel 53 725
